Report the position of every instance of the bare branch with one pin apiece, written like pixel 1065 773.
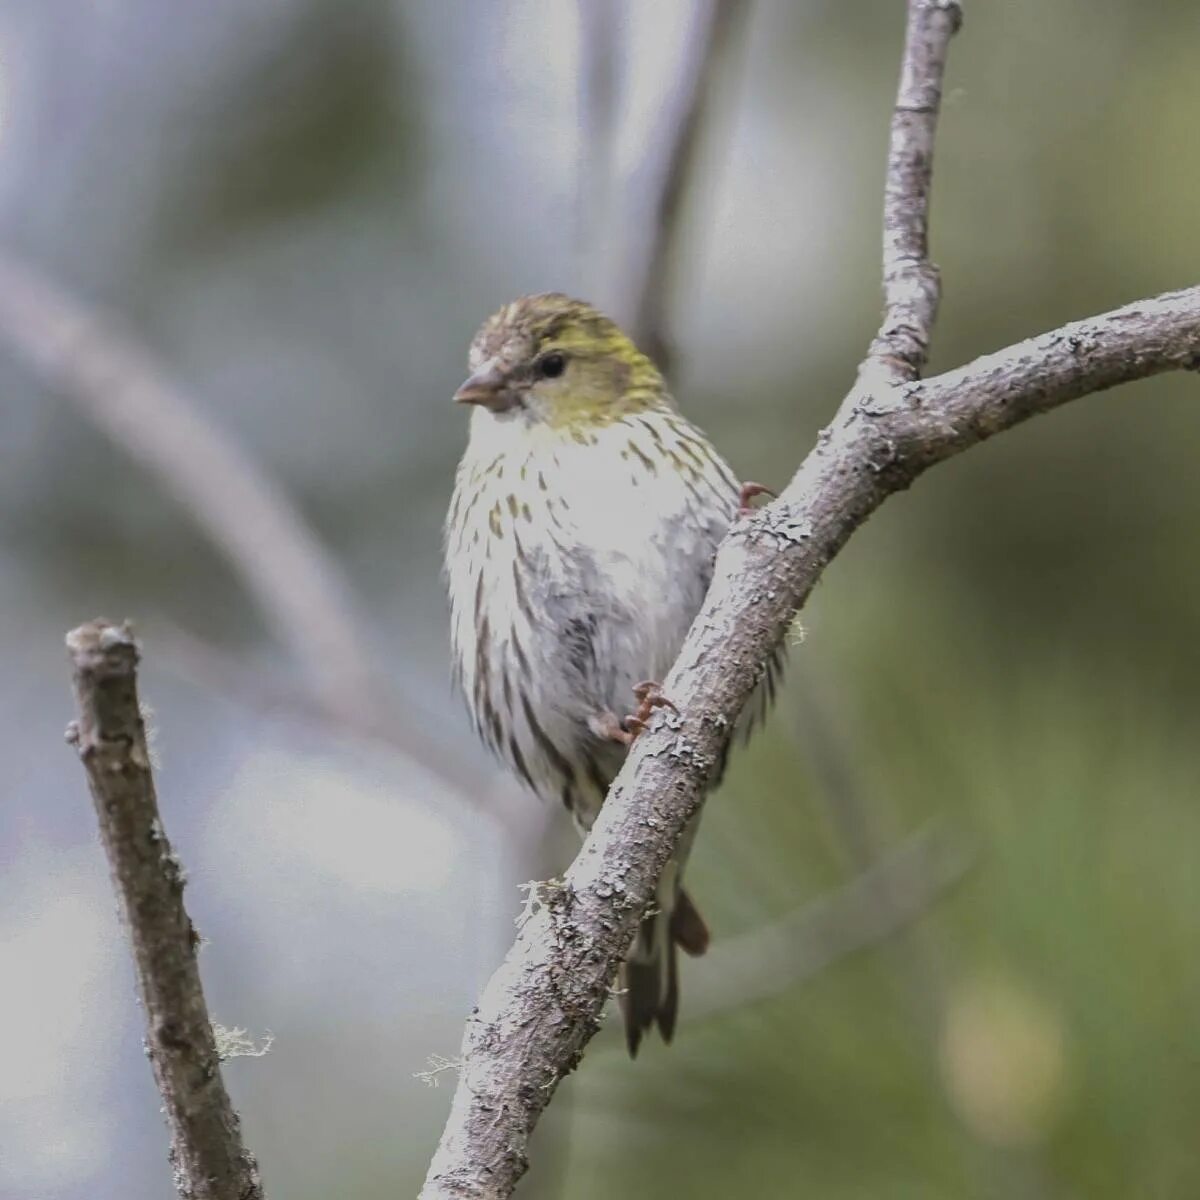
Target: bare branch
pixel 207 1153
pixel 712 38
pixel 911 284
pixel 112 379
pixel 543 1005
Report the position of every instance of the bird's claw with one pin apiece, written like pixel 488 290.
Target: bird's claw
pixel 649 696
pixel 624 730
pixel 748 492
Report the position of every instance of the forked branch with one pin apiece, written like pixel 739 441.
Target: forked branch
pixel 543 1005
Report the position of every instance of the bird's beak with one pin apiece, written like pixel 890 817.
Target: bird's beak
pixel 487 387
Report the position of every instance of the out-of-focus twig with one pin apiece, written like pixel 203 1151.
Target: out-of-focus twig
pixel 407 733
pixel 859 823
pixel 207 1153
pixel 302 593
pixel 885 898
pixel 118 385
pixel 860 820
pixel 712 36
pixel 598 29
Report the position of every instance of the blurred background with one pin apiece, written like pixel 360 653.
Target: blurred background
pixel 243 248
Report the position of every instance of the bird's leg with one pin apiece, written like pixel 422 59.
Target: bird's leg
pixel 612 728
pixel 748 492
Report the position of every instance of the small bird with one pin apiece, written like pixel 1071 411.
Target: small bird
pixel 579 546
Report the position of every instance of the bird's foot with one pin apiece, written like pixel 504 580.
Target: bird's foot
pixel 612 728
pixel 748 492
pixel 649 696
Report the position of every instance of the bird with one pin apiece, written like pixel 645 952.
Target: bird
pixel 579 545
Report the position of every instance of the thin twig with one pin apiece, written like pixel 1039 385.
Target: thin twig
pixel 116 383
pixel 911 283
pixel 408 734
pixel 207 1153
pixel 542 1006
pixel 712 36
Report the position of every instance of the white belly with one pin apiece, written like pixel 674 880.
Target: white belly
pixel 575 569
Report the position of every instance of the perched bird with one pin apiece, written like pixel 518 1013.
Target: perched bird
pixel 579 546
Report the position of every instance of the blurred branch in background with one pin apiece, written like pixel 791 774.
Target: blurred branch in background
pixel 116 383
pixel 670 166
pixel 861 825
pixel 197 659
pixel 884 899
pixel 305 599
pixel 207 1154
pixel 598 29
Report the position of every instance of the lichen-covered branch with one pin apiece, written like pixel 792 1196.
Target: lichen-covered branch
pixel 911 284
pixel 544 1004
pixel 207 1154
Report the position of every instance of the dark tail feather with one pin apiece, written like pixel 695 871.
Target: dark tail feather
pixel 649 978
pixel 639 1000
pixel 688 929
pixel 668 1010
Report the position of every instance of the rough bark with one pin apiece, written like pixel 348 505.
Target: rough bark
pixel 207 1154
pixel 543 1005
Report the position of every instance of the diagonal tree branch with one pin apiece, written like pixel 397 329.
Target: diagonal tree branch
pixel 542 1006
pixel 207 1153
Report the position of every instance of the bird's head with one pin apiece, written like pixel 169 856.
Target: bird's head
pixel 550 359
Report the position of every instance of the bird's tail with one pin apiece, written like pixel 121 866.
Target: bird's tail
pixel 648 981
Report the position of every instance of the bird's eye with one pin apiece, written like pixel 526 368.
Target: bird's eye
pixel 551 366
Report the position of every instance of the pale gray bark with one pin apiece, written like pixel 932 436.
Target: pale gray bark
pixel 542 1006
pixel 209 1160
pixel 911 284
